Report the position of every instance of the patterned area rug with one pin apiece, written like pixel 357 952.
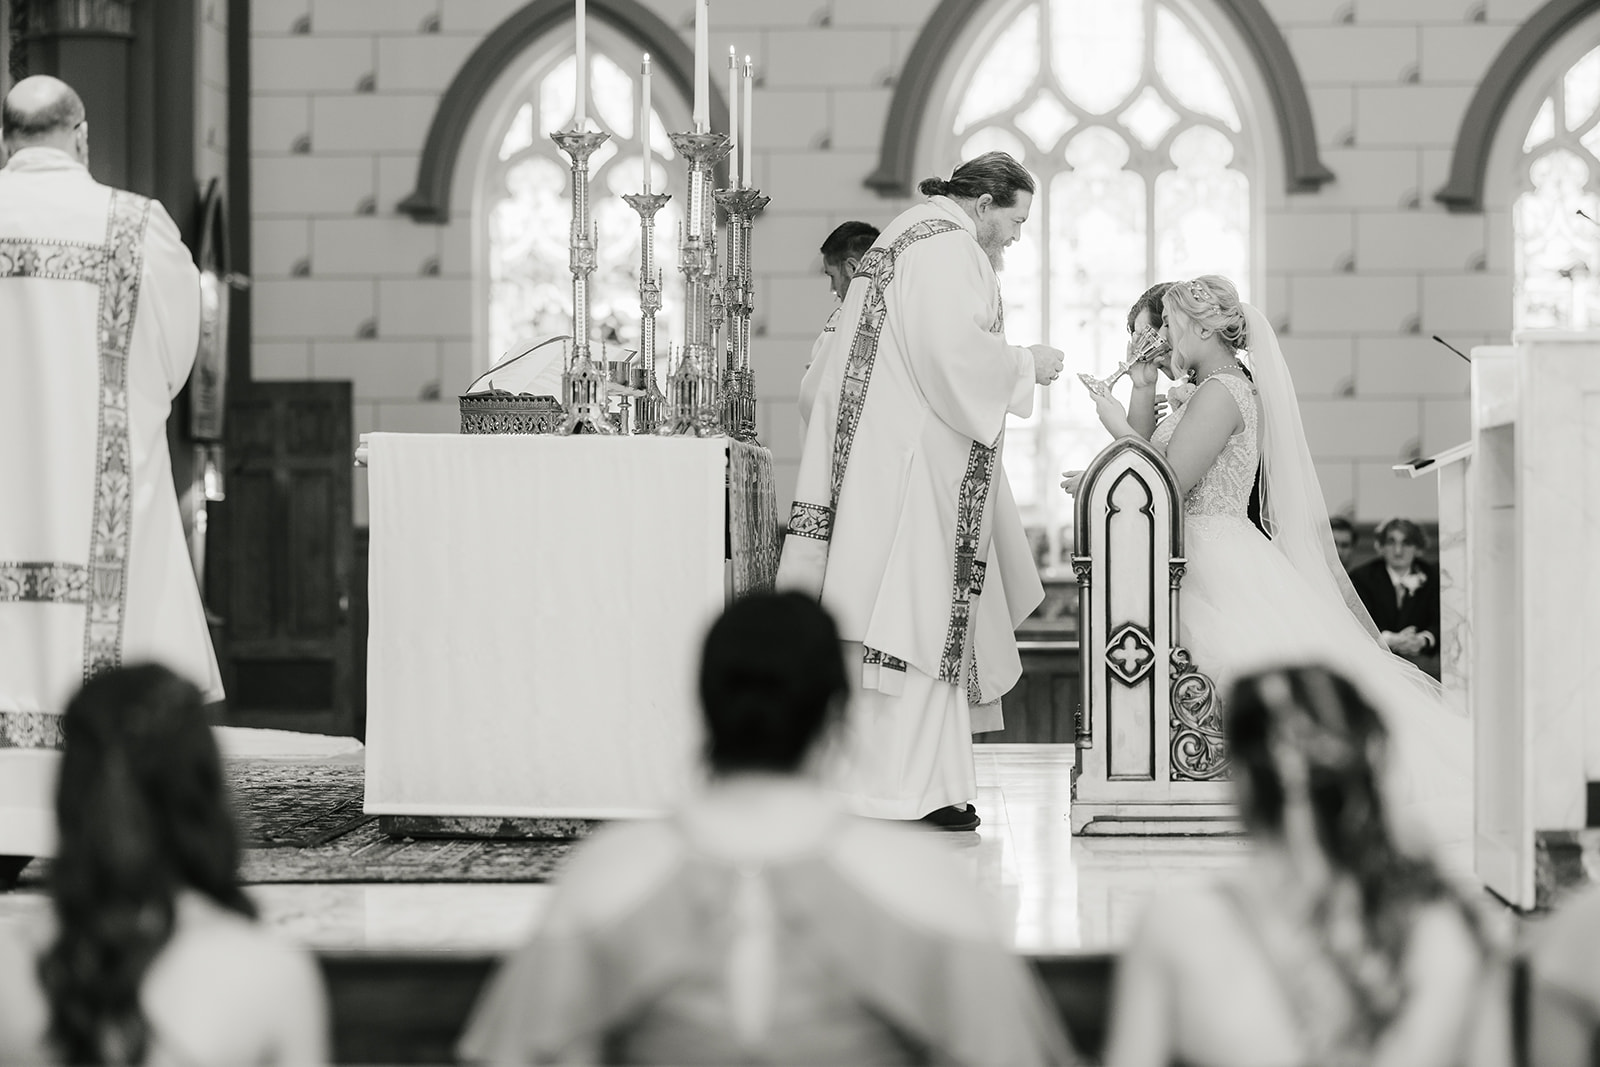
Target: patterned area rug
pixel 302 822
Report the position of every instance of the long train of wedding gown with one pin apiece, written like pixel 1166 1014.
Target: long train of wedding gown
pixel 1245 607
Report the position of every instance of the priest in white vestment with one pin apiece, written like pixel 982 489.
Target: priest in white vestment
pixel 100 319
pixel 903 522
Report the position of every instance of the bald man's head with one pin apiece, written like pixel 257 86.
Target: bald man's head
pixel 42 111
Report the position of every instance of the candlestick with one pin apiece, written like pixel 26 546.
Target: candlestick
pixel 702 61
pixel 583 385
pixel 747 143
pixel 693 389
pixel 581 117
pixel 733 118
pixel 650 407
pixel 644 120
pixel 739 392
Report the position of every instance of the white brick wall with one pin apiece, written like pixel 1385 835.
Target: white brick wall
pixel 1362 271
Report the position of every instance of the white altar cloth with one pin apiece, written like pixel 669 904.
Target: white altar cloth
pixel 538 605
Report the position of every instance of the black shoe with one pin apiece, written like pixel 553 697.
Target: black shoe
pixel 951 817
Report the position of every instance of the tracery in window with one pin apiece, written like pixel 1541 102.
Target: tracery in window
pixel 1557 249
pixel 1125 115
pixel 526 200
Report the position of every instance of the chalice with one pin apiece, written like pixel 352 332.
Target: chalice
pixel 1148 347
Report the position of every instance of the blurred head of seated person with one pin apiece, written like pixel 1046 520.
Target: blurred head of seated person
pixel 842 252
pixel 153 955
pixel 760 922
pixel 1333 945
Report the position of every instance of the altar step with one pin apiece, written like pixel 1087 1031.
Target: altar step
pixel 403 1008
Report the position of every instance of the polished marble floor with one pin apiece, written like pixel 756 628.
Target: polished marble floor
pixel 1058 893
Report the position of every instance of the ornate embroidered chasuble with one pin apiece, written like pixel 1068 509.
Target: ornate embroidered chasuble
pixel 115 268
pixel 948 653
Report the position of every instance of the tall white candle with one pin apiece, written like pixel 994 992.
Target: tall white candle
pixel 733 119
pixel 644 117
pixel 702 64
pixel 581 116
pixel 746 142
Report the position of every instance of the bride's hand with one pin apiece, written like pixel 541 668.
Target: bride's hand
pixel 1070 480
pixel 1111 413
pixel 1144 375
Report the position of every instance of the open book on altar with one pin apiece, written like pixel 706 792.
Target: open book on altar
pixel 535 371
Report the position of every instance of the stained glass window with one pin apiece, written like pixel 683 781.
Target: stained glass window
pixel 1124 114
pixel 1557 249
pixel 526 201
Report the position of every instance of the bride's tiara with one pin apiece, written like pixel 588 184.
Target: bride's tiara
pixel 1202 293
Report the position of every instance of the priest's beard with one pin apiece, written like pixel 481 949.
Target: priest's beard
pixel 993 243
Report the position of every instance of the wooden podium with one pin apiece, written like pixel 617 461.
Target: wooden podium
pixel 1149 729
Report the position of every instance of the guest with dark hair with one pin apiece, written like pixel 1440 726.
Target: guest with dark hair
pixel 1401 592
pixel 1336 945
pixel 761 923
pixel 842 252
pixel 155 956
pixel 841 257
pixel 1344 540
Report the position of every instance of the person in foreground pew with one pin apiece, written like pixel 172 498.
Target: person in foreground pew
pixel 1335 946
pixel 761 922
pixel 153 955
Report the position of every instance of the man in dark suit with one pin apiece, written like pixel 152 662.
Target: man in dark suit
pixel 1401 592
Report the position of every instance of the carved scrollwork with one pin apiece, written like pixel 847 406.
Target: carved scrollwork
pixel 1199 752
pixel 1177 567
pixel 1082 566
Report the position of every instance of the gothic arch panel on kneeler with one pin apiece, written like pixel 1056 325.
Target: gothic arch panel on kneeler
pixel 1141 749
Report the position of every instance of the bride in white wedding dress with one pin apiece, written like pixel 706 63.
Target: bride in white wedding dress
pixel 1248 602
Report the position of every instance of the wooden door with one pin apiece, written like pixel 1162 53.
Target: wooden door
pixel 283 550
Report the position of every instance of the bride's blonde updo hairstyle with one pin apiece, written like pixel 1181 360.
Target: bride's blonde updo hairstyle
pixel 1212 302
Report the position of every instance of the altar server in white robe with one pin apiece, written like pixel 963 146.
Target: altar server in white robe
pixel 841 258
pixel 100 319
pixel 903 522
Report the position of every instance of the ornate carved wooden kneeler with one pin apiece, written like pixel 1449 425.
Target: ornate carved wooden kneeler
pixel 1149 729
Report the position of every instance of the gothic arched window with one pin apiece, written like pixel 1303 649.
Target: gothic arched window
pixel 1557 249
pixel 525 203
pixel 1125 113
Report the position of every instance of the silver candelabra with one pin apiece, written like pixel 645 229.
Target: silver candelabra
pixel 649 408
pixel 742 206
pixel 583 384
pixel 693 407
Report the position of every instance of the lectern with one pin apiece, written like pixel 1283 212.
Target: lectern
pixel 1532 508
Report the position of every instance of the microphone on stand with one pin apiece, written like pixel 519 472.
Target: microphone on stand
pixel 1456 350
pixel 1587 216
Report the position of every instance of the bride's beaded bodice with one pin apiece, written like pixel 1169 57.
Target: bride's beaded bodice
pixel 1225 489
